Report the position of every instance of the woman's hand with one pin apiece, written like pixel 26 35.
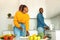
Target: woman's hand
pixel 20 28
pixel 27 33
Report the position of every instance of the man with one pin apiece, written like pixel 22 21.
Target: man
pixel 41 26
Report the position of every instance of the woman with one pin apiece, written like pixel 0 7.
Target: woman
pixel 21 21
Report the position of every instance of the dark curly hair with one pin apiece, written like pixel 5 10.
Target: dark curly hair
pixel 21 7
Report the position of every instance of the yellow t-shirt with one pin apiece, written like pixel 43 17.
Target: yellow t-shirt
pixel 23 18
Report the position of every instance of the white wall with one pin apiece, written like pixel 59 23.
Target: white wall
pixel 6 6
pixel 52 8
pixel 33 6
pixel 56 22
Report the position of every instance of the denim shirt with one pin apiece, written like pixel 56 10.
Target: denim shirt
pixel 40 20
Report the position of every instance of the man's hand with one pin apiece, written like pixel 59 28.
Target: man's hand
pixel 27 33
pixel 46 28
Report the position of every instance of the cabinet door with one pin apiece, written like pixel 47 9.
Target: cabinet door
pixel 57 34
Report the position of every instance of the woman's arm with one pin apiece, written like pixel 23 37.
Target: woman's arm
pixel 27 26
pixel 16 22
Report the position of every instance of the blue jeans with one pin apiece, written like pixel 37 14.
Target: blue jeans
pixel 19 32
pixel 41 32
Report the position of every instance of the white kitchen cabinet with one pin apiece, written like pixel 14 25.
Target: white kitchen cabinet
pixel 57 34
